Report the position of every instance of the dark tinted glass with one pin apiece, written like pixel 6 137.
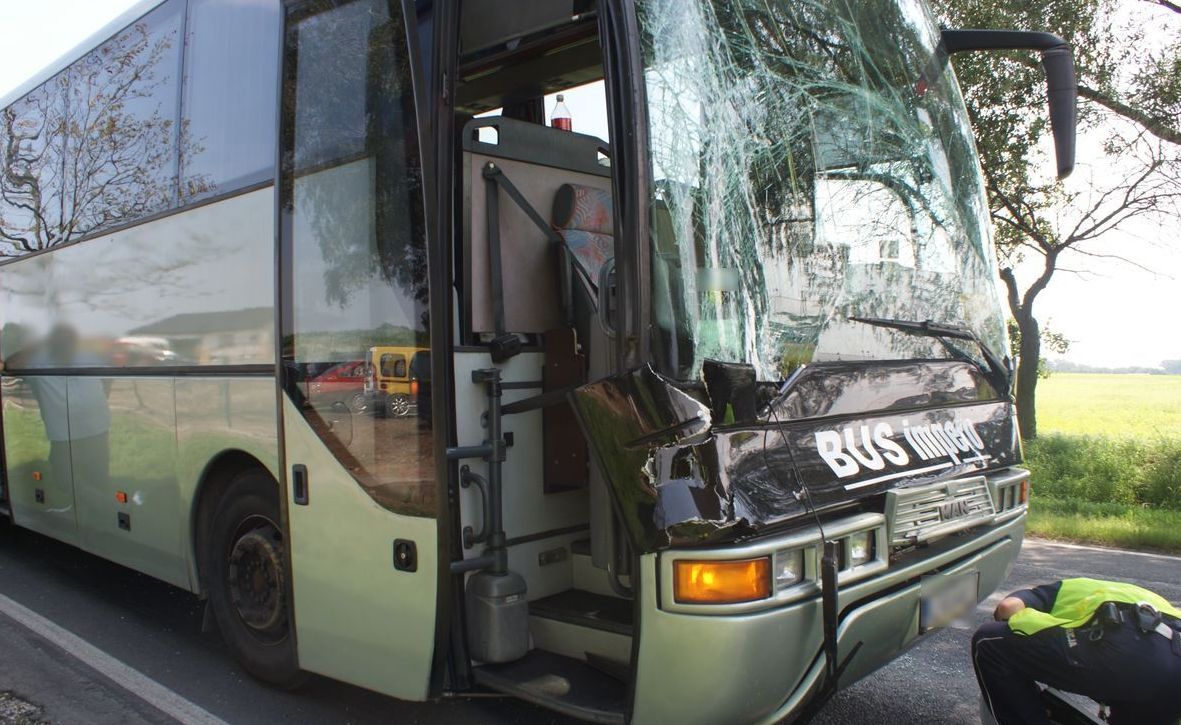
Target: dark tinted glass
pixel 356 246
pixel 228 121
pixel 121 104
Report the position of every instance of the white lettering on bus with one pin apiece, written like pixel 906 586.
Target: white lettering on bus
pixel 851 449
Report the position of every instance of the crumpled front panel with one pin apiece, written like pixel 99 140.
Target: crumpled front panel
pixel 681 481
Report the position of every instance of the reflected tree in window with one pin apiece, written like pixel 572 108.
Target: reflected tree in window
pixel 95 146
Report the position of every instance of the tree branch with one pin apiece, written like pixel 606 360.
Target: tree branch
pixel 1156 126
pixel 1011 290
pixel 1167 5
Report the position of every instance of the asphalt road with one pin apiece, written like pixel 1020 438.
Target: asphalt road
pixel 156 630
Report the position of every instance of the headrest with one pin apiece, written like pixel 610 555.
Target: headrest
pixel 584 208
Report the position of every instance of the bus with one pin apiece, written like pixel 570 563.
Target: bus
pixel 720 415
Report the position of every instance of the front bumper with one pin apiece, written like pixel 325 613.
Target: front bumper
pixel 762 666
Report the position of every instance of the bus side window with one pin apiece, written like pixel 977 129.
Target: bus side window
pixel 231 54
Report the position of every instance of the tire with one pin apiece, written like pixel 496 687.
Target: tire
pixel 358 403
pixel 245 567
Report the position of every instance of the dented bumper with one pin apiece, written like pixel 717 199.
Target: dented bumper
pixel 764 666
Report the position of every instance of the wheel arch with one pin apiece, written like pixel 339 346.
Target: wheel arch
pixel 215 478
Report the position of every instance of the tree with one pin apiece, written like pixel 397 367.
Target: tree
pixel 1130 97
pixel 1056 342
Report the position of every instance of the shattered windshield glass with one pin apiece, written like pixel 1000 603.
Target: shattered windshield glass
pixel 810 164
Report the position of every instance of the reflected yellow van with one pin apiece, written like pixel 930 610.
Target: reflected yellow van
pixel 395 373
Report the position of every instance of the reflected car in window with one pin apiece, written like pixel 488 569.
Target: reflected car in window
pixel 343 383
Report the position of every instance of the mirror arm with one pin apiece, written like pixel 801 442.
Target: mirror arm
pixel 1058 65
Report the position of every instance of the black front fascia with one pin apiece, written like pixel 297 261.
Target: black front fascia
pixel 681 481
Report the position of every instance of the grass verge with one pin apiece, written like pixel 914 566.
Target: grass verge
pixel 1126 526
pixel 1095 469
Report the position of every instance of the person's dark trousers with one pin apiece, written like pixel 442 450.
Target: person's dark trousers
pixel 1137 675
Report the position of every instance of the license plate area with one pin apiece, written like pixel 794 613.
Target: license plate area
pixel 944 598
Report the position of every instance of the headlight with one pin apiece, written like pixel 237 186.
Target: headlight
pixel 859 549
pixel 789 567
pixel 721 581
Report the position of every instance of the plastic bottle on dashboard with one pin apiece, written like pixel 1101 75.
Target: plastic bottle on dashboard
pixel 560 118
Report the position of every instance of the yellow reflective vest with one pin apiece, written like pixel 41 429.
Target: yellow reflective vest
pixel 1077 601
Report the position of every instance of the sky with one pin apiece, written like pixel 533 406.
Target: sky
pixel 1115 314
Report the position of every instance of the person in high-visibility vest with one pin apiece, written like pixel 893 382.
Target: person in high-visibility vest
pixel 1117 643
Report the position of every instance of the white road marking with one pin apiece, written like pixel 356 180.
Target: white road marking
pixel 1105 549
pixel 132 680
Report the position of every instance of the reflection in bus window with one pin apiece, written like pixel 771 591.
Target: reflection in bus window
pixel 231 58
pixel 95 146
pixel 357 245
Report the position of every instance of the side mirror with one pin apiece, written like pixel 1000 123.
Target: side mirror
pixel 1058 64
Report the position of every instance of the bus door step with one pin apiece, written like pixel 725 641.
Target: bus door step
pixel 567 685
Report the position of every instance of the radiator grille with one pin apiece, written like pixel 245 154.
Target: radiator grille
pixel 928 512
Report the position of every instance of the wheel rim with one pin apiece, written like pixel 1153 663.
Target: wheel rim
pixel 399 405
pixel 256 577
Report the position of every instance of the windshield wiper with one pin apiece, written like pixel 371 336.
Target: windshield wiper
pixel 996 371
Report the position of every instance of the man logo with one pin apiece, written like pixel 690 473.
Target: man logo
pixel 953 510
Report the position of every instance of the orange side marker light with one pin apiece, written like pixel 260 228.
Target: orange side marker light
pixel 722 581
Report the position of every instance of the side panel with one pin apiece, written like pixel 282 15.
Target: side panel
pixel 123 451
pixel 37 455
pixel 214 415
pixel 357 618
pixel 194 289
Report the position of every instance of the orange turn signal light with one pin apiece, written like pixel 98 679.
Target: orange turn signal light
pixel 121 496
pixel 414 387
pixel 1024 497
pixel 721 582
pixel 36 475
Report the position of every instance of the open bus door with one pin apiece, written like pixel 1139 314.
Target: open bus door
pixel 360 488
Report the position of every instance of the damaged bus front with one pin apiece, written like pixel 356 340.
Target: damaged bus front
pixel 811 472
pixel 774 441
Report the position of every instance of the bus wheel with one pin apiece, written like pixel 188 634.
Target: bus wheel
pixel 398 406
pixel 246 570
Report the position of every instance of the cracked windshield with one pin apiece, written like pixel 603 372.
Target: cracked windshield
pixel 811 162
